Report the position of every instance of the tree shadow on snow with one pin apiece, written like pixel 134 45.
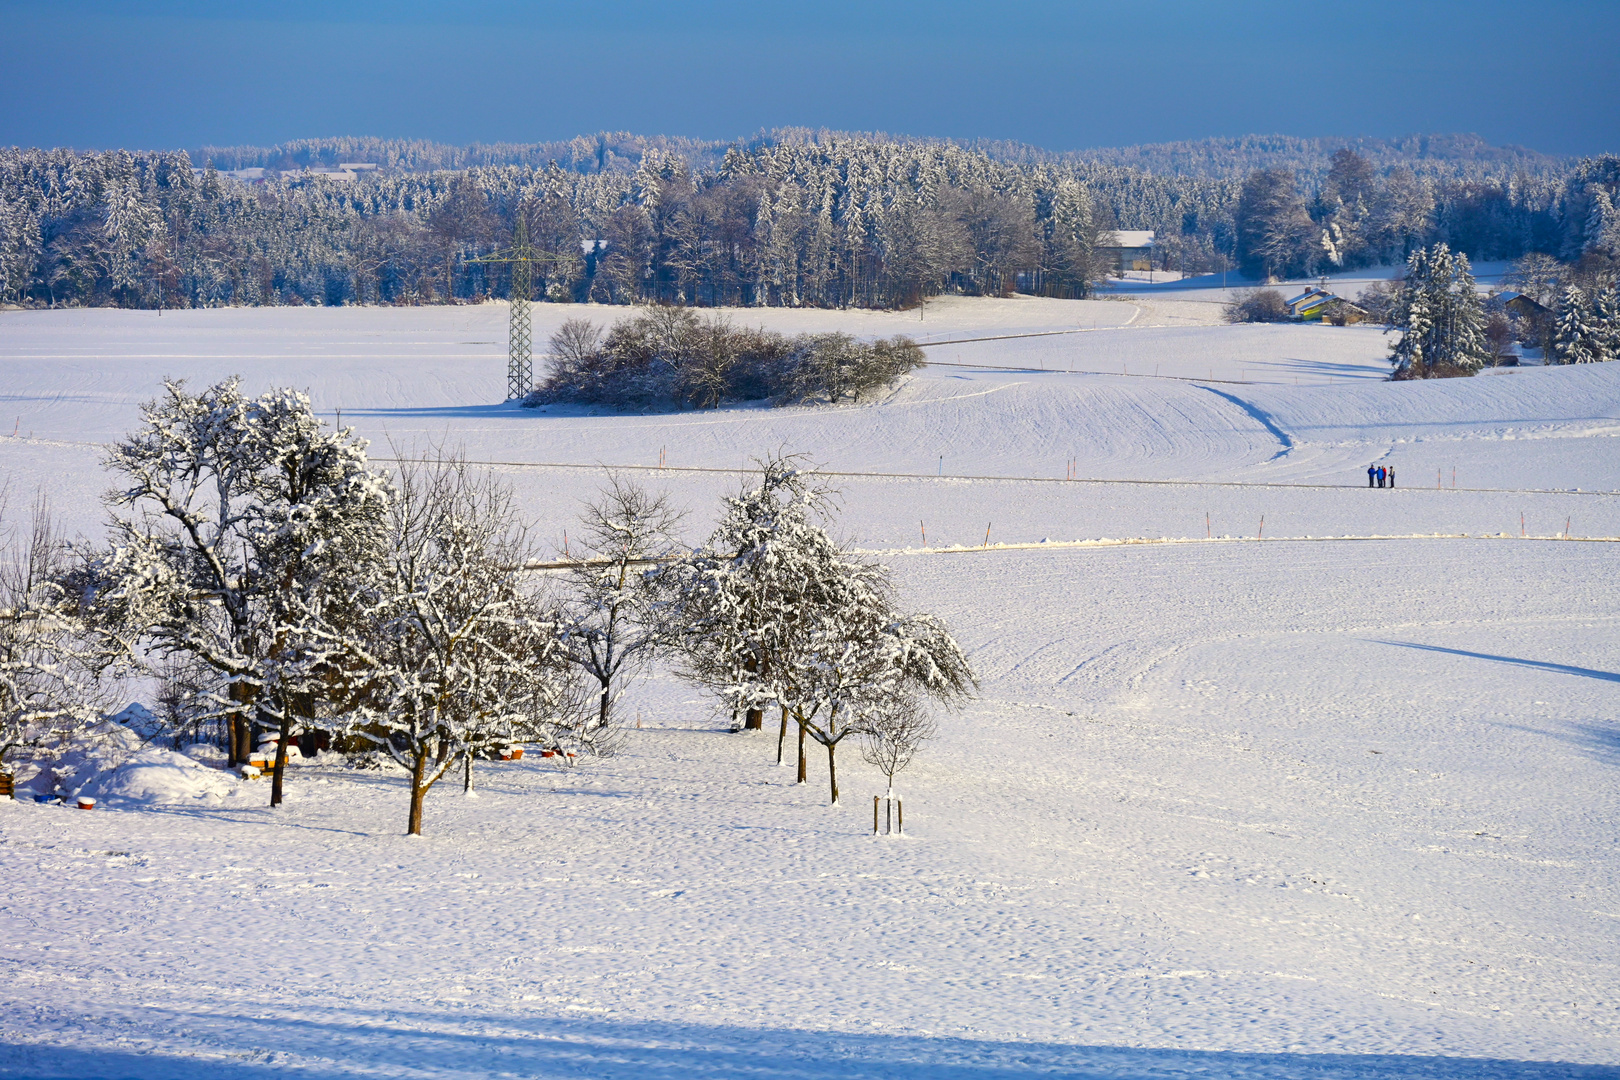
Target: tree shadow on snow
pixel 1294 365
pixel 1597 739
pixel 394 1042
pixel 1541 665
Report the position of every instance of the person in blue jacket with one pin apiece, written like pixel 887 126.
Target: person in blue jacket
pixel 1372 473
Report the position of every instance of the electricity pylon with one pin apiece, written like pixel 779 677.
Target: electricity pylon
pixel 519 333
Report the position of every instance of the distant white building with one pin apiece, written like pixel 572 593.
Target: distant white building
pixel 1127 249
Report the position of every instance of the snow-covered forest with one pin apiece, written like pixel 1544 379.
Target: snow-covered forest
pixel 792 219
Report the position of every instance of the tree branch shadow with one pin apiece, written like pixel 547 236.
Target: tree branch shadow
pixel 353 1044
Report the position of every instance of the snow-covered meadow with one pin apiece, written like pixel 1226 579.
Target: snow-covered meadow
pixel 1341 801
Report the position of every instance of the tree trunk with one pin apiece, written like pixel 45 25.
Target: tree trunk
pixel 232 739
pixel 281 753
pixel 832 770
pixel 236 725
pixel 602 715
pixel 753 719
pixel 781 736
pixel 466 779
pixel 418 791
pixel 802 770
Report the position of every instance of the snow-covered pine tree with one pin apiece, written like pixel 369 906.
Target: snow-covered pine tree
pixel 1577 334
pixel 130 225
pixel 1441 317
pixel 455 651
pixel 1606 311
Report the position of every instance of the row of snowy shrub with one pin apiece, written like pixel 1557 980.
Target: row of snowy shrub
pixel 670 357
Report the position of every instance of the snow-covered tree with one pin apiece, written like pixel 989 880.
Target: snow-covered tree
pixel 776 612
pixel 731 603
pixel 856 657
pixel 455 652
pixel 50 663
pixel 1440 316
pixel 240 528
pixel 1607 311
pixel 131 224
pixel 610 627
pixel 1275 235
pixel 1578 336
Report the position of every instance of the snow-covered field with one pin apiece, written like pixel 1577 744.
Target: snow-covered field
pixel 1306 805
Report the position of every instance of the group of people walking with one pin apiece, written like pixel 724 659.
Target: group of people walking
pixel 1377 475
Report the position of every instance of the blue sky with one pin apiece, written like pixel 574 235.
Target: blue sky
pixel 173 73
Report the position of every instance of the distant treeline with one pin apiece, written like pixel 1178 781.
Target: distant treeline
pixel 791 218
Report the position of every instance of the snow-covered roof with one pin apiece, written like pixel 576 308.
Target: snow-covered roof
pixel 1127 238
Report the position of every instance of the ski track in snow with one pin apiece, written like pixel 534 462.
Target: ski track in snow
pixel 1245 810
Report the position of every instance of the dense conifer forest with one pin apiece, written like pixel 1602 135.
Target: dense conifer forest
pixel 790 217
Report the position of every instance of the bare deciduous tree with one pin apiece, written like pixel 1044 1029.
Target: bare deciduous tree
pixel 609 628
pixel 891 736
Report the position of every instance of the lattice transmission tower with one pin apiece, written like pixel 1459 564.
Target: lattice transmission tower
pixel 519 331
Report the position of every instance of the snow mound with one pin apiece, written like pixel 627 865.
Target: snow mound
pixel 157 776
pixel 113 762
pixel 139 719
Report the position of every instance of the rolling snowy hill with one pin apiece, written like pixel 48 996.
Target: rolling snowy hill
pixel 1245 807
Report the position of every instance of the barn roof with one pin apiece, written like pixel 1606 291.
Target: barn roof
pixel 1126 238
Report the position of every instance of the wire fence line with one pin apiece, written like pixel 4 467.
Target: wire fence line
pixel 743 470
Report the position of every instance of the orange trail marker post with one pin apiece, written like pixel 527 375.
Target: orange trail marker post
pixel 987 534
pixel 1521 524
pixel 1262 534
pixel 924 529
pixel 1208 534
pixel 1566 528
